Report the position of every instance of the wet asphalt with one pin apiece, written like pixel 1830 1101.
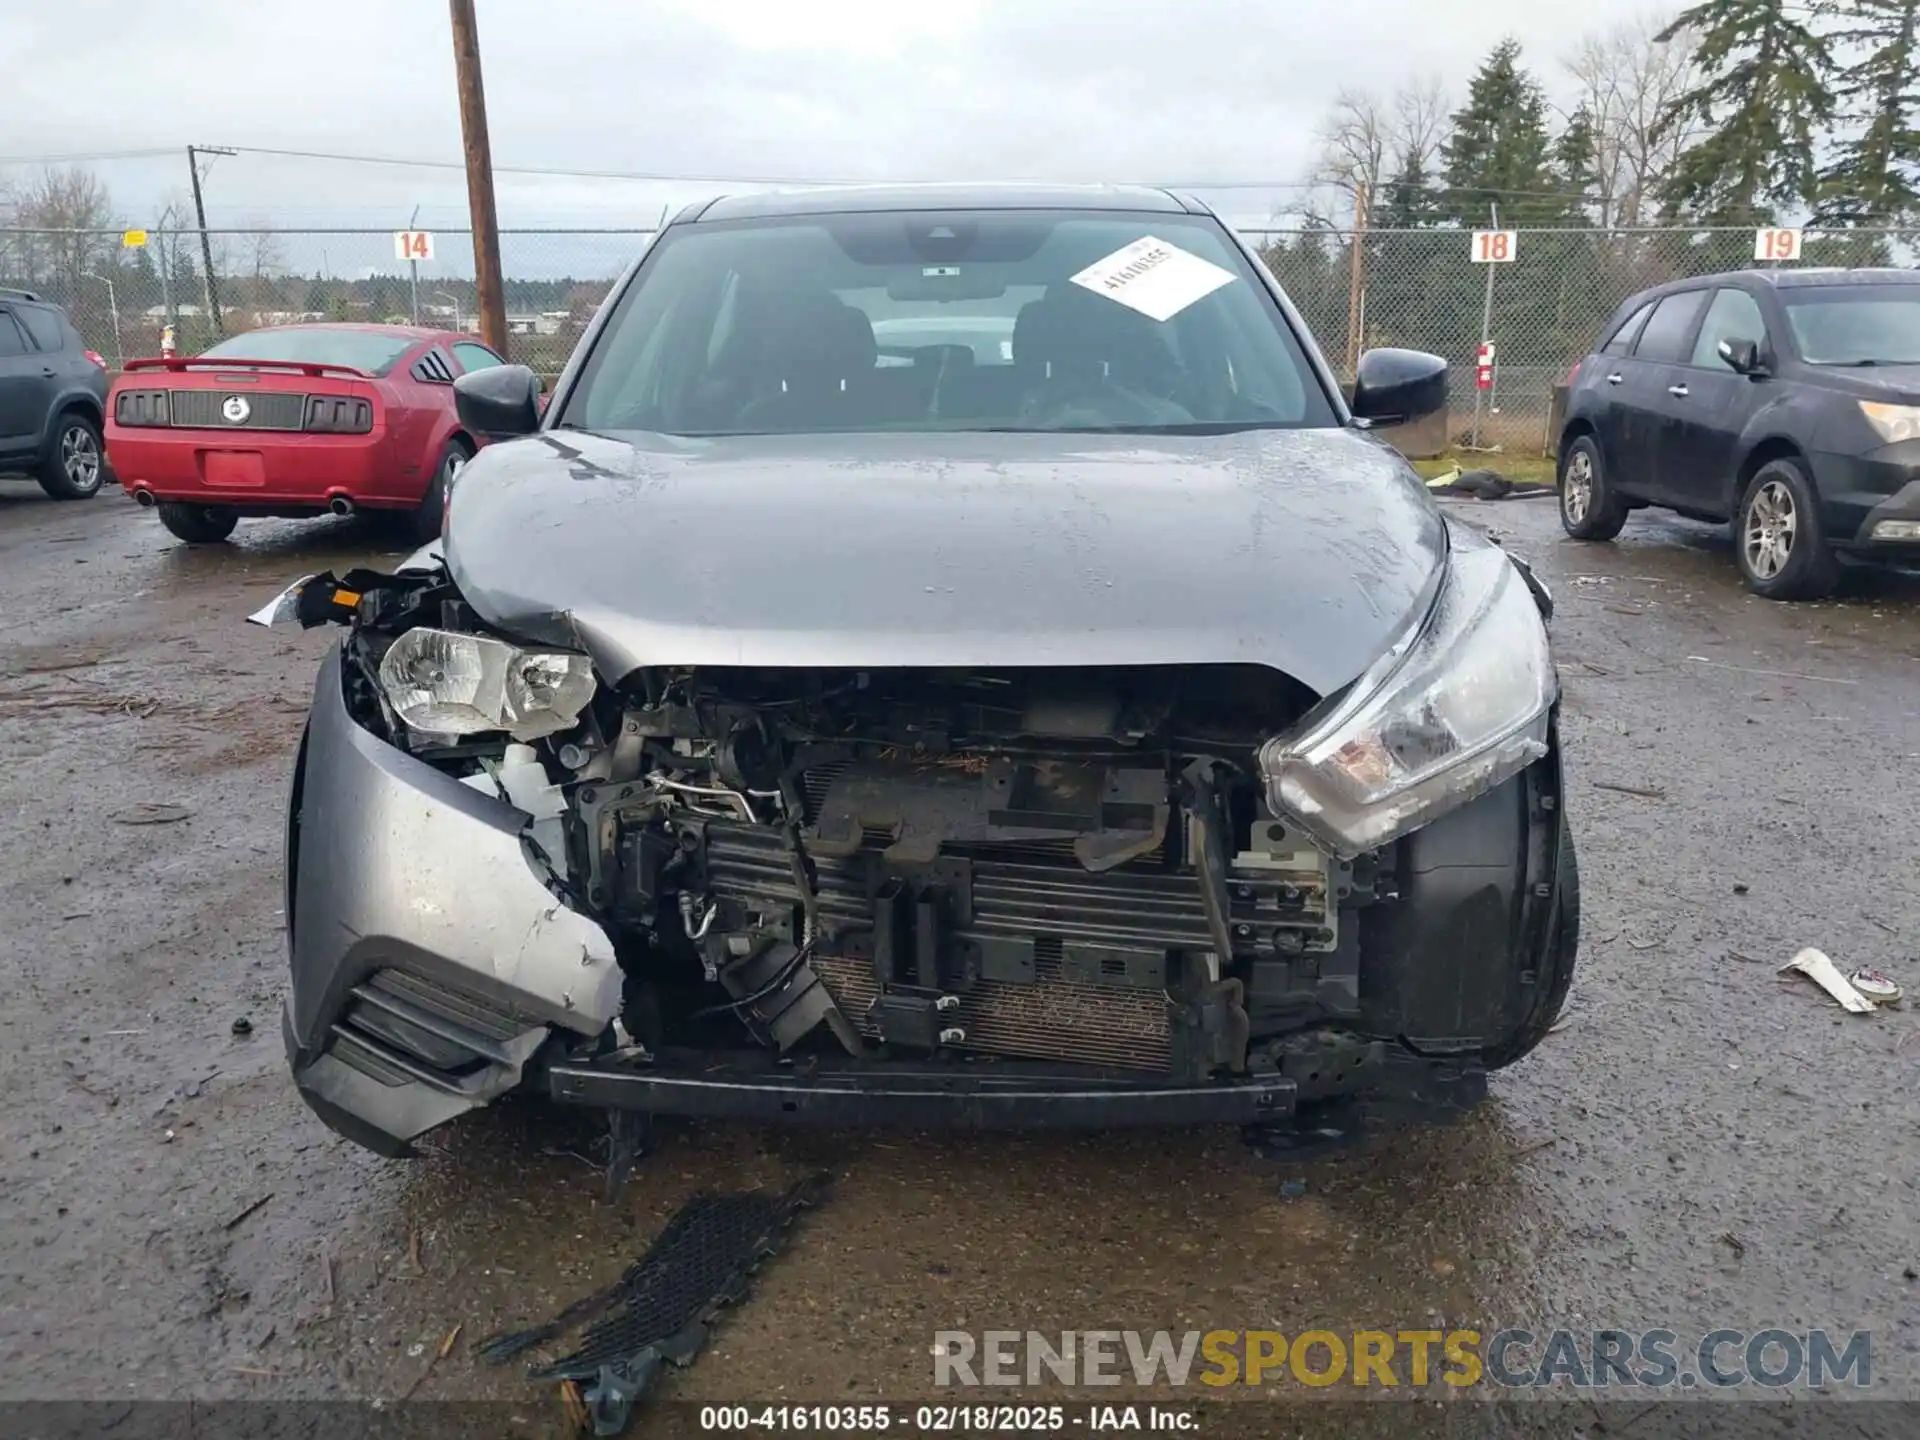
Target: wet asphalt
pixel 1699 1145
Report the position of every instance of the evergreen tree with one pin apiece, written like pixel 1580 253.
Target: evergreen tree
pixel 1573 163
pixel 1765 89
pixel 1498 152
pixel 1409 199
pixel 1872 176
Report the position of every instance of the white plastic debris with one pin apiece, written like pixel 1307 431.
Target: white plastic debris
pixel 1876 985
pixel 1817 967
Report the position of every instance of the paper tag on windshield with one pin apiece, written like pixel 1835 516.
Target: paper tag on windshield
pixel 1155 278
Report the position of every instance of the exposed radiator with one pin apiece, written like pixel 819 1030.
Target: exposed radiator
pixel 1122 1021
pixel 1050 1019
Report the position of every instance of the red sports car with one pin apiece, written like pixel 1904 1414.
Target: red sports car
pixel 295 420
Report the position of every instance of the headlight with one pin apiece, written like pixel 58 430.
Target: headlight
pixel 1892 422
pixel 444 683
pixel 1460 708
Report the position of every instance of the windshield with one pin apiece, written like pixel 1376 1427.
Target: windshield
pixel 1856 325
pixel 370 350
pixel 974 320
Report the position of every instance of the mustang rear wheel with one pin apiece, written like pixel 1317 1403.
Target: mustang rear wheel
pixel 425 521
pixel 198 524
pixel 74 466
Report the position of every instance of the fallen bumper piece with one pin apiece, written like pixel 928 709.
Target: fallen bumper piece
pixel 662 1308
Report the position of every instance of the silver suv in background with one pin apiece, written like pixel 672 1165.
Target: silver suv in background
pixel 53 393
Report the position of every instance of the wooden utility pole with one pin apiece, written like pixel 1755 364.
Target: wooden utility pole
pixel 1357 281
pixel 473 131
pixel 210 287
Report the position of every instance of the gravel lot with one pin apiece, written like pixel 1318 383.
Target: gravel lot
pixel 1701 1145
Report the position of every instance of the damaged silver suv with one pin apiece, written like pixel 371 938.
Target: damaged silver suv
pixel 944 656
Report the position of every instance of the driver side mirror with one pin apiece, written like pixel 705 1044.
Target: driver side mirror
pixel 499 402
pixel 1393 387
pixel 1742 357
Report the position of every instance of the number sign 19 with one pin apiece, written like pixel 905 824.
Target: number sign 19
pixel 1776 244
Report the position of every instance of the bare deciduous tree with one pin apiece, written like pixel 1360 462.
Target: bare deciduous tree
pixel 1356 147
pixel 77 231
pixel 1628 81
pixel 1366 139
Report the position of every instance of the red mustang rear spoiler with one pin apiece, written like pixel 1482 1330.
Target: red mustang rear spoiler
pixel 216 362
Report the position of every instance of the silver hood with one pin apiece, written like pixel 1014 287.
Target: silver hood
pixel 1303 550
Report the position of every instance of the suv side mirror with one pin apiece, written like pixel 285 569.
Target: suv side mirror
pixel 1392 387
pixel 499 402
pixel 1742 356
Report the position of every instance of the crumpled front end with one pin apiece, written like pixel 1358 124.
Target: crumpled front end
pixel 863 893
pixel 431 959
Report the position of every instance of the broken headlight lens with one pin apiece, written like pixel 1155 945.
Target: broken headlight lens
pixel 1455 711
pixel 447 684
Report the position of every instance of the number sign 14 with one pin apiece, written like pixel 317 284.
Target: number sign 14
pixel 413 245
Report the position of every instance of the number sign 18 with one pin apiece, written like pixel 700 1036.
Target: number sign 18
pixel 1494 247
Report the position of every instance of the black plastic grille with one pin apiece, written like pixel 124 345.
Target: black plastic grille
pixel 140 407
pixel 661 1308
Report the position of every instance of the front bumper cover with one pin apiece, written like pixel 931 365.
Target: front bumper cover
pixel 430 960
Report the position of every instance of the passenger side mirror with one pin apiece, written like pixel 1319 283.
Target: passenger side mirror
pixel 498 402
pixel 1393 387
pixel 1742 356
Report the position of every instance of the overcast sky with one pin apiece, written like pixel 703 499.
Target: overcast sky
pixel 1182 91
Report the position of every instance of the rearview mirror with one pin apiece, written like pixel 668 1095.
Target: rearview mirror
pixel 499 402
pixel 1742 356
pixel 1393 387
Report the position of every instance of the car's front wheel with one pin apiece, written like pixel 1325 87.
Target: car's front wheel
pixel 75 464
pixel 1590 508
pixel 198 524
pixel 1555 975
pixel 1778 539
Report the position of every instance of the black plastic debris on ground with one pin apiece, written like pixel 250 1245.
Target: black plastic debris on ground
pixel 661 1309
pixel 1486 485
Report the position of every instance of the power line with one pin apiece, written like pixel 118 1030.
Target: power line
pixel 81 156
pixel 664 177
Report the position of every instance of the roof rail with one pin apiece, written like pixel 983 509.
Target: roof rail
pixel 13 294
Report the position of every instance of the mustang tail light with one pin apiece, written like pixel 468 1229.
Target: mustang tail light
pixel 96 357
pixel 134 408
pixel 338 415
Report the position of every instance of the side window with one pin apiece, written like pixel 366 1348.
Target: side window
pixel 1623 338
pixel 1734 315
pixel 1665 335
pixel 43 327
pixel 12 340
pixel 475 357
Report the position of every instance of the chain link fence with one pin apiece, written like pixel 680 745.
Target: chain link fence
pixel 1421 289
pixel 1414 288
pixel 121 296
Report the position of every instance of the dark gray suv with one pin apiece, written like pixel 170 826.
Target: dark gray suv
pixel 53 393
